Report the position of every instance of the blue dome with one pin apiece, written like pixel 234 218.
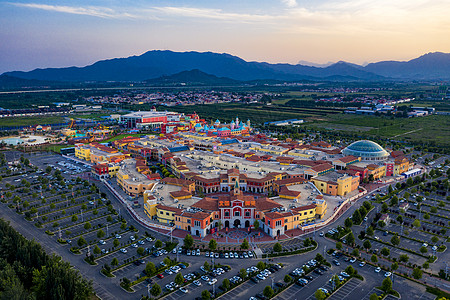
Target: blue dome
pixel 367 150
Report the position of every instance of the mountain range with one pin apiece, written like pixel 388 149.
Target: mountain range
pixel 160 66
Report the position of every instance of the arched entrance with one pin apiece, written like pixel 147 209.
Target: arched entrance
pixel 237 223
pixel 227 224
pixel 189 228
pixel 247 224
pixel 197 233
pixel 278 232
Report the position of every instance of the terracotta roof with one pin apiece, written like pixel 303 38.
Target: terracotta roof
pixel 182 193
pixel 196 215
pixel 207 203
pixel 273 215
pixel 265 204
pixel 347 159
pixel 176 181
pixel 322 167
pixel 284 191
pixel 169 208
pixel 290 181
pixel 305 207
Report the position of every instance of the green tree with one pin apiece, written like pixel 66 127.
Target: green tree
pixel 423 250
pixel 367 244
pixel 394 266
pixel 150 268
pixel 81 241
pixel 243 273
pixel 261 265
pixel 74 218
pixel 433 209
pixel 416 223
pixel 339 245
pixel 386 285
pixel 374 296
pixel 100 234
pixel 395 240
pixel 115 262
pixel 226 284
pixel 116 243
pixel 256 224
pixel 369 231
pixel 212 245
pixel 287 278
pixel 350 270
pixel 356 217
pixel 179 279
pixel 355 252
pixel 434 239
pixel 167 261
pixel 207 266
pixel 140 251
pixel 87 226
pixel 417 273
pixel 403 258
pixel 97 250
pixel 374 258
pixel 155 290
pixel 109 219
pixel 206 295
pixel 277 247
pixel 350 238
pixel 348 223
pixel 158 244
pixel 245 244
pixel 385 251
pixel 188 241
pixel 268 292
pixel 320 295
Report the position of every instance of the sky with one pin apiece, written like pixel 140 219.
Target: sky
pixel 41 34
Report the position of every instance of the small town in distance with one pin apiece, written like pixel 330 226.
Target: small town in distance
pixel 183 200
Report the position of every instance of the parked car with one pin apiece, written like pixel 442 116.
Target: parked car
pixel 377 270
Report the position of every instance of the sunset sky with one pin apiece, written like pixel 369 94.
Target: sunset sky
pixel 64 33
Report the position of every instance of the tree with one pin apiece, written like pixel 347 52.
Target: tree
pixel 386 285
pixel 435 239
pixel 403 258
pixel 97 250
pixel 277 247
pixel 350 270
pixel 385 251
pixel 212 244
pixel 362 211
pixel 167 261
pixel 87 225
pixel 179 279
pixel 369 231
pixel 400 219
pixel 416 223
pixel 374 296
pixel 74 218
pixel 320 295
pixel 426 216
pixel 348 223
pixel 367 244
pixel 374 258
pixel 100 234
pixel 356 217
pixel 245 244
pixel 155 290
pixel 226 284
pixel 417 273
pixel 268 292
pixel 158 244
pixel 423 250
pixel 256 224
pixel 339 245
pixel 350 238
pixel 140 251
pixel 395 240
pixel 188 242
pixel 109 219
pixel 207 266
pixel 116 243
pixel 426 265
pixel 394 201
pixel 384 208
pixel 115 262
pixel 81 241
pixel 206 295
pixel 243 273
pixel 355 252
pixel 150 269
pixel 394 266
pixel 261 265
pixel 287 278
pixel 433 209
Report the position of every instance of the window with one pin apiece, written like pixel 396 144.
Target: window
pixel 268 222
pixel 189 221
pixel 278 223
pixel 310 212
pixel 236 214
pixel 227 214
pixel 257 216
pixel 167 213
pixel 197 223
pixel 247 214
pixel 305 213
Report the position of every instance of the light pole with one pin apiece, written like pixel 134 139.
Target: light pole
pixel 148 290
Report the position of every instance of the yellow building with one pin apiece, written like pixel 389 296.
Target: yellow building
pixel 321 206
pixel 149 204
pixel 113 169
pixel 401 165
pixel 166 214
pixel 132 182
pixel 336 184
pixel 83 152
pixel 376 170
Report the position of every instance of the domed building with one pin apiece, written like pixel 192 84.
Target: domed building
pixel 367 150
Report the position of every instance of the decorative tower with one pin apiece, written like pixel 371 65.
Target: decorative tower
pixel 248 124
pixel 236 190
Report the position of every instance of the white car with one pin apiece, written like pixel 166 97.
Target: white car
pixel 132 238
pixel 387 274
pixel 123 250
pixel 377 270
pixel 226 255
pixel 197 283
pixel 212 281
pixel 134 245
pixel 101 242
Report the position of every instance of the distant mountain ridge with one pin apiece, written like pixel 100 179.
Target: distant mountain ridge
pixel 158 63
